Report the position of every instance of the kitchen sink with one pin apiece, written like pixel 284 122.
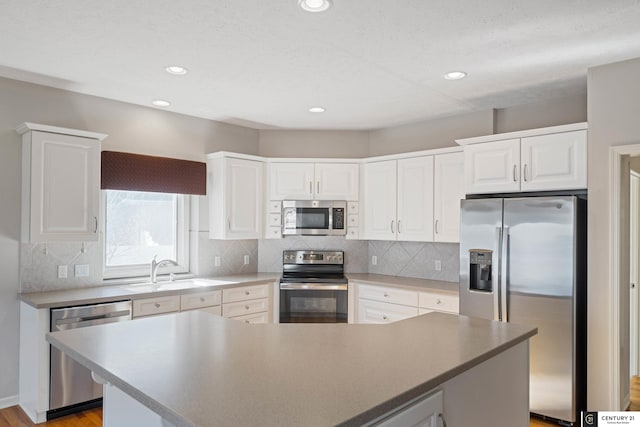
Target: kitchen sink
pixel 173 286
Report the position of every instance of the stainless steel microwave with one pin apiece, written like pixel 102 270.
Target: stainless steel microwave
pixel 314 217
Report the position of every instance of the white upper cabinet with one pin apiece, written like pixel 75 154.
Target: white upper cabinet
pixel 448 191
pixel 234 187
pixel 556 161
pixel 313 181
pixel 492 167
pixel 379 193
pixel 291 181
pixel 60 184
pixel 415 199
pixel 337 181
pixel 398 199
pixel 545 159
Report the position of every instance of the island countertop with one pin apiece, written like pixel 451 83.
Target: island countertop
pixel 198 369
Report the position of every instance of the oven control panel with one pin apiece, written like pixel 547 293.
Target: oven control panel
pixel 313 257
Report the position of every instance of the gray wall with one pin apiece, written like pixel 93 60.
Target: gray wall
pixel 542 114
pixel 429 134
pixel 614 107
pixel 314 143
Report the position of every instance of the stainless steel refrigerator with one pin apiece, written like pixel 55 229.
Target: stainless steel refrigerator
pixel 523 260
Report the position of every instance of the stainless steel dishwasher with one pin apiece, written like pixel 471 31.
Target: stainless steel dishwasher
pixel 71 387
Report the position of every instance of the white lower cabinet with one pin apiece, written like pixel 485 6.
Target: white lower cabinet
pixel 425 412
pixel 386 304
pixel 200 300
pixel 382 312
pixel 156 305
pixel 246 303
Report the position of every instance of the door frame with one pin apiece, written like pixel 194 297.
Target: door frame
pixel 616 157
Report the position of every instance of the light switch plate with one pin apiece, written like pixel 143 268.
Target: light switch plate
pixel 374 260
pixel 246 260
pixel 438 265
pixel 81 270
pixel 216 261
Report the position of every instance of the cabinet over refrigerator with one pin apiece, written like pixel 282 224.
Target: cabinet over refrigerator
pixel 523 260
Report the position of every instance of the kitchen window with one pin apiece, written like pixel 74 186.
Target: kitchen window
pixel 140 225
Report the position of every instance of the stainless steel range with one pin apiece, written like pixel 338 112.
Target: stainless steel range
pixel 313 288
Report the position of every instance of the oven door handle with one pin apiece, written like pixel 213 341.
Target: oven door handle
pixel 314 286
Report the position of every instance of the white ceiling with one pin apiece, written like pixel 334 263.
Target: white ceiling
pixel 370 63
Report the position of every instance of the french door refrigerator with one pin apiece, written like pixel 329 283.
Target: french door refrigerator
pixel 523 260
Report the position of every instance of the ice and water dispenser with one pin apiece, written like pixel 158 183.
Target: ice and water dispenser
pixel 480 270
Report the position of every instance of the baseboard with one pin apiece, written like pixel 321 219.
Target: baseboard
pixel 6 402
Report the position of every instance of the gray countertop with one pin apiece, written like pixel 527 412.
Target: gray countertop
pixel 198 369
pixel 100 294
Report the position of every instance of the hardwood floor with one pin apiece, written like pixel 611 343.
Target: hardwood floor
pixel 15 417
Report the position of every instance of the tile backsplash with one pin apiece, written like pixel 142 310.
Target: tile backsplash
pixel 39 262
pixel 415 259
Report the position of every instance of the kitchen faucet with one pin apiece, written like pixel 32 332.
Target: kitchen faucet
pixel 156 264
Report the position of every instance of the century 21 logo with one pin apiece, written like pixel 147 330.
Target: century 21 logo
pixel 590 419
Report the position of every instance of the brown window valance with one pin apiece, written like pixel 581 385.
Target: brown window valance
pixel 136 172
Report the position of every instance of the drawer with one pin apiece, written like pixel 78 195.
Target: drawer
pixel 275 220
pixel 245 293
pixel 275 206
pixel 439 301
pixel 200 300
pixel 158 305
pixel 352 220
pixel 352 208
pixel 382 312
pixel 392 295
pixel 241 308
pixel 274 233
pixel 254 318
pixel 352 233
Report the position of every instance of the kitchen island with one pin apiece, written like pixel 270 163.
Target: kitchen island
pixel 198 369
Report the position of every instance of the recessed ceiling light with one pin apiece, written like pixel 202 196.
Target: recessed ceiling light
pixel 176 70
pixel 161 103
pixel 455 75
pixel 316 110
pixel 314 5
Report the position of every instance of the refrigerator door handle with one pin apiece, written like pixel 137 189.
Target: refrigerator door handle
pixel 504 252
pixel 495 273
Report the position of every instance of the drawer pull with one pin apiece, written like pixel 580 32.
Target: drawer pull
pixel 246 321
pixel 201 299
pixel 157 305
pixel 385 317
pixel 246 307
pixel 438 301
pixel 247 293
pixel 386 295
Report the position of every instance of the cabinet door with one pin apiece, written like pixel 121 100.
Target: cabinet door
pixel 379 204
pixel 337 181
pixel 291 181
pixel 554 162
pixel 448 191
pixel 244 199
pixel 415 199
pixel 64 188
pixel 492 167
pixel 423 413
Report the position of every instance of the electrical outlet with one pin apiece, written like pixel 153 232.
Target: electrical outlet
pixel 374 260
pixel 216 261
pixel 246 260
pixel 63 272
pixel 438 265
pixel 81 270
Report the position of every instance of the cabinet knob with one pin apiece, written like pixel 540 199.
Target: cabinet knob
pixel 246 307
pixel 247 293
pixel 386 295
pixel 157 305
pixel 385 318
pixel 438 301
pixel 201 299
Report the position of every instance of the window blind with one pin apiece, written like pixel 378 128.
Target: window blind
pixel 137 172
